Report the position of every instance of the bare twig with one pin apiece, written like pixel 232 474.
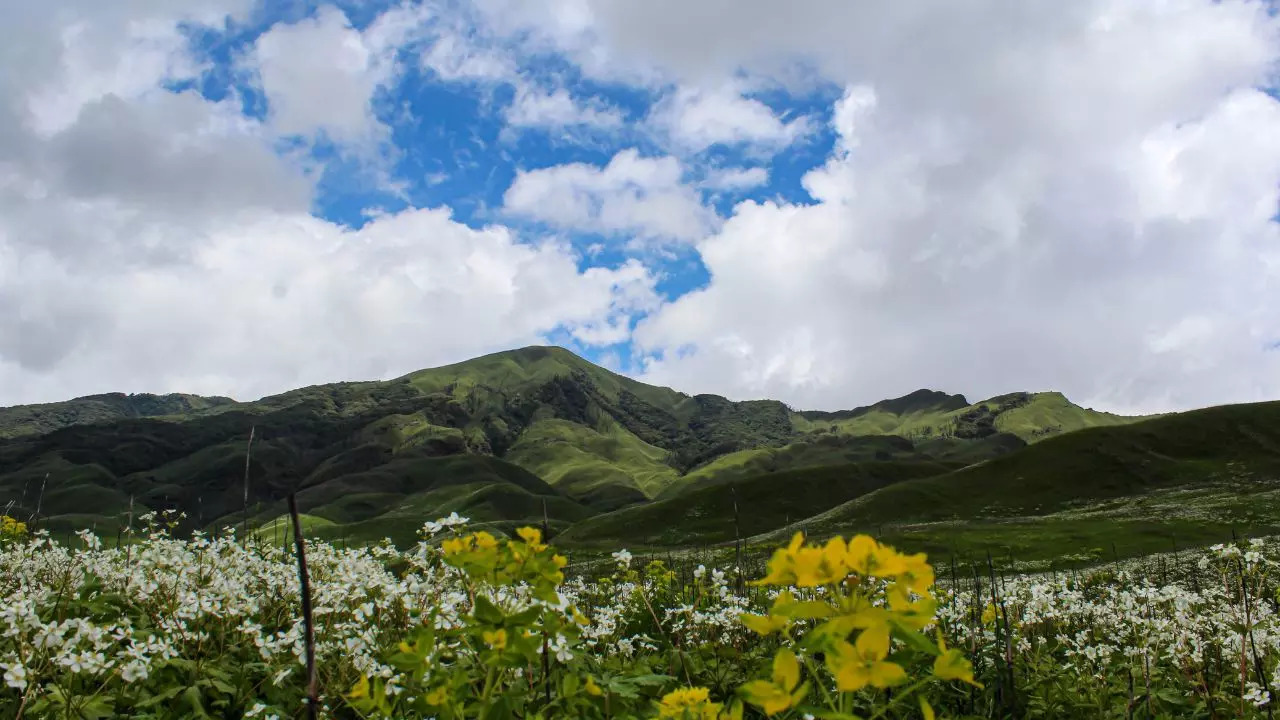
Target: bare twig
pixel 244 532
pixel 313 704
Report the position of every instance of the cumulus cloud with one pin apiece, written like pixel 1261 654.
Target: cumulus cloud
pixel 320 74
pixel 695 119
pixel 1073 196
pixel 1052 200
pixel 735 178
pixel 557 109
pixel 155 241
pixel 279 301
pixel 645 197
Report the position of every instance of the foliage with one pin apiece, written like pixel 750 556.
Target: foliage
pixel 471 624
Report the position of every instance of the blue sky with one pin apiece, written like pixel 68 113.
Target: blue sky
pixel 449 145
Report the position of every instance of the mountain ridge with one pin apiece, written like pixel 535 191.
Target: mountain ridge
pixel 599 441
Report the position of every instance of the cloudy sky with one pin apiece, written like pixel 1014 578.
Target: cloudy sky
pixel 820 201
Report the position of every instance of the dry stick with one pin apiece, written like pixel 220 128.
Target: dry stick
pixel 737 536
pixel 39 502
pixel 546 661
pixel 244 532
pixel 307 621
pixel 1248 622
pixel 1007 695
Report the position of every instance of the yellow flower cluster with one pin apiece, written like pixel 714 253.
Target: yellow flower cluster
pixel 873 590
pixel 12 528
pixel 810 566
pixel 528 559
pixel 694 704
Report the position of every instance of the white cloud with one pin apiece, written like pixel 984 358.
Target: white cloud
pixel 279 301
pixel 320 74
pixel 153 241
pixel 535 107
pixel 695 119
pixel 1076 197
pixel 641 196
pixel 735 178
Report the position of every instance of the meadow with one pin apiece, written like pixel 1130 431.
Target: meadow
pixel 471 625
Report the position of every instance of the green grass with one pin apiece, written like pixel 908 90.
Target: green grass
pixel 585 463
pixel 1034 499
pixel 24 420
pixel 706 515
pixel 1030 416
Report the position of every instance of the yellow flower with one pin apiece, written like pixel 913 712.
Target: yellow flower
pixel 438 696
pixel 862 664
pixel 496 639
pixel 868 557
pixel 455 546
pixel 807 566
pixel 688 704
pixel 952 665
pixel 592 688
pixel 361 689
pixel 485 541
pixel 916 614
pixel 532 537
pixel 989 614
pixel 918 576
pixel 764 624
pixel 776 695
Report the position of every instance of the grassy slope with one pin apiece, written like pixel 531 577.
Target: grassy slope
pixel 1064 492
pixel 393 499
pixel 23 420
pixel 496 376
pixel 587 464
pixel 705 515
pixel 1044 415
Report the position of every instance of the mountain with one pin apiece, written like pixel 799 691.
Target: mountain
pixel 39 419
pixel 501 437
pixel 1167 482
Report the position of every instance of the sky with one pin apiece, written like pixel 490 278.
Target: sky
pixel 822 202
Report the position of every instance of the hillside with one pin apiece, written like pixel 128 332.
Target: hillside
pixel 1194 476
pixel 23 420
pixel 705 515
pixel 595 441
pixel 929 414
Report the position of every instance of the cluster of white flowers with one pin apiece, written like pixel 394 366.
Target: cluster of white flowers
pixel 119 614
pixel 1222 604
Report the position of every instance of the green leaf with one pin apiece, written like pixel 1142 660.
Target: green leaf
pixel 914 638
pixel 193 700
pixel 524 617
pixel 500 709
pixel 486 612
pixel 806 610
pixel 162 696
pixel 826 714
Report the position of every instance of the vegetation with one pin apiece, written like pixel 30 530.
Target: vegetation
pixel 469 624
pixel 518 437
pixel 927 414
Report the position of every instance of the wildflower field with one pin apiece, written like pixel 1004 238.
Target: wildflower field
pixel 469 625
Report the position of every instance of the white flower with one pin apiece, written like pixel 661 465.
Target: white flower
pixel 15 675
pixel 700 572
pixel 623 558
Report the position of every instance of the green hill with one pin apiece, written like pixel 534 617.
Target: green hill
pixel 929 414
pixel 1189 477
pixel 370 457
pixel 24 420
pixel 705 515
pixel 831 450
